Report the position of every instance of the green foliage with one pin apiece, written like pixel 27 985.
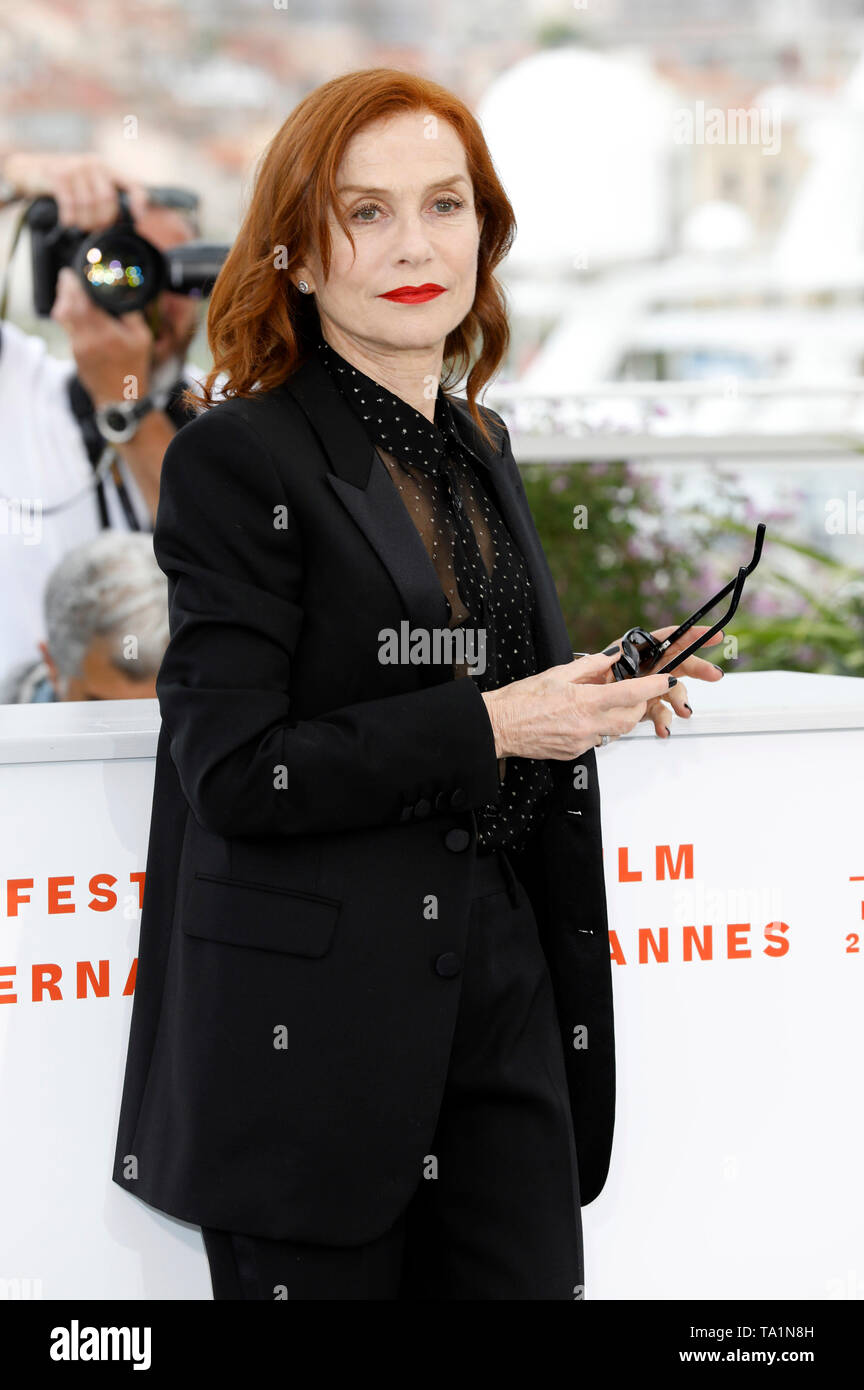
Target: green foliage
pixel 818 625
pixel 617 571
pixel 640 561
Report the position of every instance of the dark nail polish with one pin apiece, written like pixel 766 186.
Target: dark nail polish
pixel 686 706
pixel 673 680
pixel 610 651
pixel 668 732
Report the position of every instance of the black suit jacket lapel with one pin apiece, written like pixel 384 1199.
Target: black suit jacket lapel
pixel 364 487
pixel 366 490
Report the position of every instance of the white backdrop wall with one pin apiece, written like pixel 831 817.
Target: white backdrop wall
pixel 734 861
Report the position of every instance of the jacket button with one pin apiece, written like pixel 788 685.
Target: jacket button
pixel 448 965
pixel 458 798
pixel 422 808
pixel 457 839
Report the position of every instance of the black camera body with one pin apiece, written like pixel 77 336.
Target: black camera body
pixel 120 269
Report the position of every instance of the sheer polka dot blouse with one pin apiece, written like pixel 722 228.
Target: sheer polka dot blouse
pixel 480 569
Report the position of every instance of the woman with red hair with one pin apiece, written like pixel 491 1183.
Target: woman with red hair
pixel 371 1051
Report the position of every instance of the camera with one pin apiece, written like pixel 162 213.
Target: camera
pixel 120 269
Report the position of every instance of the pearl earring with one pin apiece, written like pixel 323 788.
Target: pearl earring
pixel 303 287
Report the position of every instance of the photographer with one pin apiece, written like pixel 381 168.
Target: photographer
pixel 53 425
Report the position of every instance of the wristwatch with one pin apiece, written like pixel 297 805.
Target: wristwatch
pixel 118 421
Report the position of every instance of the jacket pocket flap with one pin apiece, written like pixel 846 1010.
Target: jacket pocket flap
pixel 259 915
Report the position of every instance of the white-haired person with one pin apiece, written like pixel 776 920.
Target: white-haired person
pixel 106 626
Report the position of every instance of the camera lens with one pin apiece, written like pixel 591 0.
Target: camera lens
pixel 120 270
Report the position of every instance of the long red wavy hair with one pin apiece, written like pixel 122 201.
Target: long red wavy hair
pixel 259 325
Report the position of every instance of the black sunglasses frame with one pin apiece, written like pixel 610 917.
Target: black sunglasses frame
pixel 641 651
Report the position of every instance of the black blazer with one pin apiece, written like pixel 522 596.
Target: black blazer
pixel 290 1036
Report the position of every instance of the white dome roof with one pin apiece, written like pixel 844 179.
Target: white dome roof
pixel 716 226
pixel 580 139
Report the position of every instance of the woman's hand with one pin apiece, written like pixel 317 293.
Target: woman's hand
pixel 564 711
pixel 694 666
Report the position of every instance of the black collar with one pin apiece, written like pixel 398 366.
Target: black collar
pixel 391 422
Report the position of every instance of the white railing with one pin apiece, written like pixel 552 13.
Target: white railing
pixel 674 419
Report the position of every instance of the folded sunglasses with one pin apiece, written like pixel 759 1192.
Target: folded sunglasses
pixel 641 651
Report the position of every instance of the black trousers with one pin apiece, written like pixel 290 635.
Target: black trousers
pixel 502 1218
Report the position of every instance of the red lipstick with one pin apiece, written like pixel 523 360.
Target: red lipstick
pixel 413 294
